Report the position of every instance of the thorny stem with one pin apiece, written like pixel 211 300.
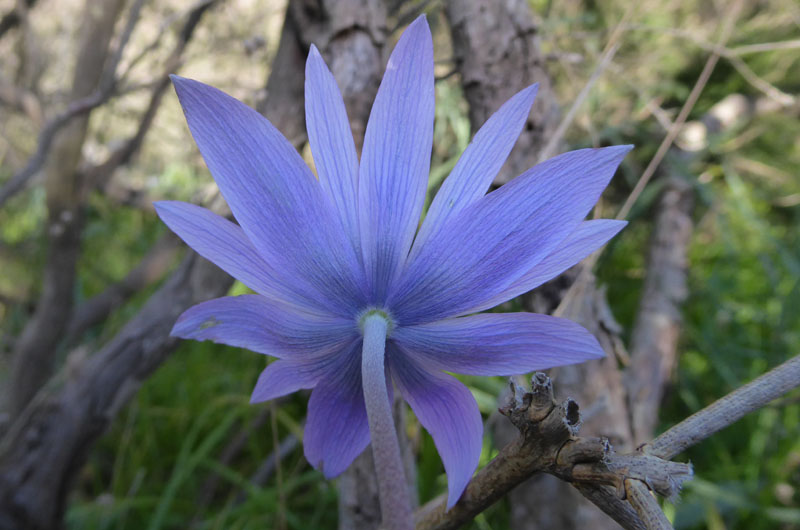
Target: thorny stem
pixel 395 502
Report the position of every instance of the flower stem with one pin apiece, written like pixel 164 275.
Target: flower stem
pixel 392 487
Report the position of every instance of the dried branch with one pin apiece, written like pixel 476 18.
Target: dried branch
pixel 48 444
pixel 99 92
pixel 654 338
pixel 36 348
pixel 77 108
pixel 606 57
pixel 774 93
pixel 764 47
pixel 610 501
pixel 726 410
pixel 727 26
pixel 548 443
pixel 150 269
pixel 98 176
pixel 646 506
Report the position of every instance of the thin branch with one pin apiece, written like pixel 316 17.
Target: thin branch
pixel 609 52
pixel 270 465
pixel 109 79
pixel 646 506
pixel 610 501
pixel 771 91
pixel 726 410
pixel 736 51
pixel 231 451
pixel 765 47
pixel 190 13
pixel 150 269
pixel 99 175
pixel 77 108
pixel 711 62
pixel 37 348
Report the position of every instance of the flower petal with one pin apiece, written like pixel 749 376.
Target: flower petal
pixel 485 248
pixel 283 377
pixel 331 141
pixel 499 343
pixel 266 326
pixel 393 174
pixel 274 196
pixel 225 244
pixel 478 166
pixel 589 236
pixel 336 427
pixel 447 410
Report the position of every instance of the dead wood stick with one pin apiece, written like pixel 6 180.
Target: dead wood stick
pixel 654 339
pixel 726 410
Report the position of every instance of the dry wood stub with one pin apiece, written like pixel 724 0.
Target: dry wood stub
pixel 548 442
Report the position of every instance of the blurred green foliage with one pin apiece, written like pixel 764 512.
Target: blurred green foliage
pixel 153 468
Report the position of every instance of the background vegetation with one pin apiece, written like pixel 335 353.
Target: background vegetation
pixel 167 460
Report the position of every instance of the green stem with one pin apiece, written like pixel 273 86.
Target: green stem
pixel 392 488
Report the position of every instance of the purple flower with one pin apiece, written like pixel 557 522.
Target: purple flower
pixel 322 254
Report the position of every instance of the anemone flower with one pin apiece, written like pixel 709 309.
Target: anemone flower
pixel 352 299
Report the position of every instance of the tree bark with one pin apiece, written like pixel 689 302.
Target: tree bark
pixel 37 347
pixel 47 445
pixel 497 54
pixel 654 340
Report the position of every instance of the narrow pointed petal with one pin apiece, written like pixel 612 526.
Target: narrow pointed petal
pixel 273 195
pixel 331 141
pixel 393 174
pixel 336 427
pixel 499 343
pixel 447 410
pixel 284 377
pixel 478 166
pixel 225 244
pixel 490 244
pixel 589 236
pixel 266 326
